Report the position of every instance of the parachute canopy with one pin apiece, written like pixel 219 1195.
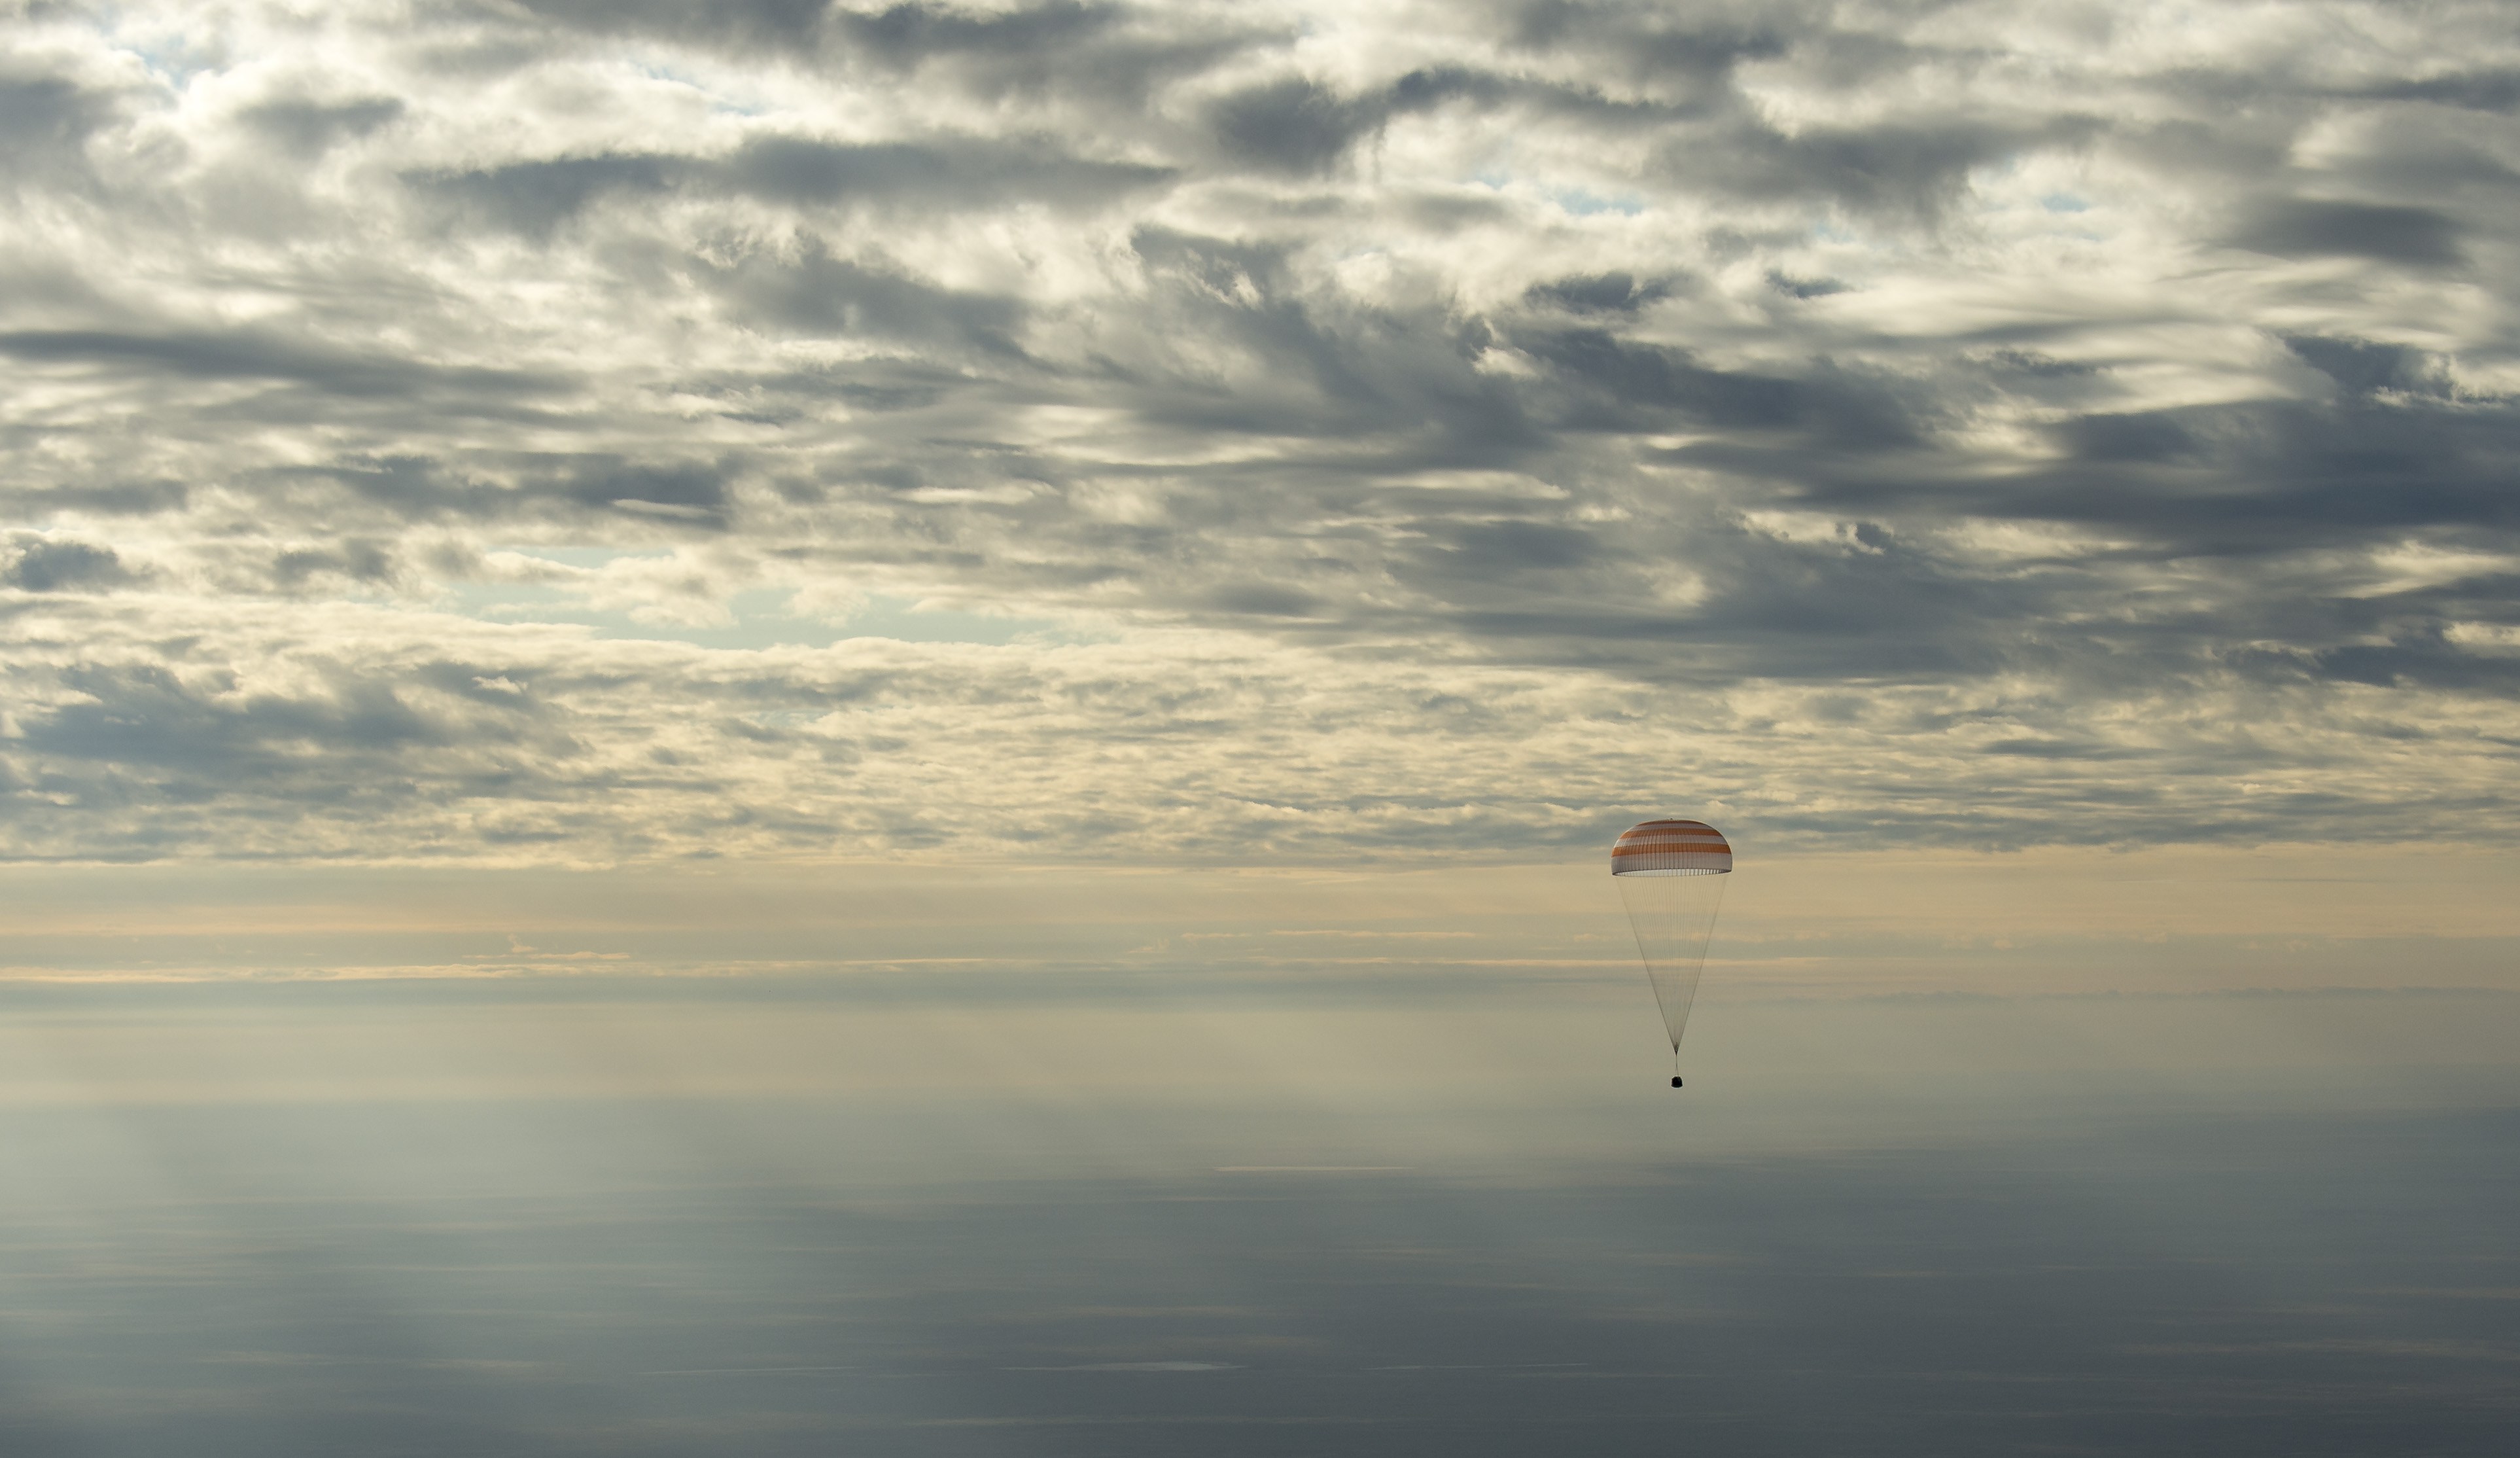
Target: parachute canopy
pixel 1671 874
pixel 1672 848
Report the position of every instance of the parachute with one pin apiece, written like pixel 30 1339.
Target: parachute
pixel 1671 874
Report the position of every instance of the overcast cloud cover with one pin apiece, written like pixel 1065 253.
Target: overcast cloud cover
pixel 575 431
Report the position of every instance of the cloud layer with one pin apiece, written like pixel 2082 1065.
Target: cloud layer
pixel 581 430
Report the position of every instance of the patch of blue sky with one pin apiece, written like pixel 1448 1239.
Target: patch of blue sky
pixel 169 57
pixel 1584 204
pixel 2064 203
pixel 718 100
pixel 1582 201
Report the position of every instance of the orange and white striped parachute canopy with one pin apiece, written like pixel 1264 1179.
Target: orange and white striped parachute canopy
pixel 1672 848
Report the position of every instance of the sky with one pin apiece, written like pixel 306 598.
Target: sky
pixel 922 700
pixel 568 433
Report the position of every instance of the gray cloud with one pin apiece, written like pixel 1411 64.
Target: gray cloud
pixel 44 122
pixel 2306 227
pixel 1916 170
pixel 1290 125
pixel 1097 56
pixel 44 566
pixel 908 34
pixel 241 355
pixel 534 198
pixel 974 172
pixel 814 293
pixel 1603 294
pixel 307 129
pixel 2493 90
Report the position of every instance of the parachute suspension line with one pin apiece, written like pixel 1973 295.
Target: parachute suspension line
pixel 1671 874
pixel 1642 920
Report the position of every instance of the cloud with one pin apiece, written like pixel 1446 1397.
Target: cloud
pixel 41 564
pixel 247 356
pixel 816 293
pixel 306 129
pixel 1262 431
pixel 2309 228
pixel 45 121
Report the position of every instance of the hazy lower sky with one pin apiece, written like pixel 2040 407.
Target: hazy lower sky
pixel 785 726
